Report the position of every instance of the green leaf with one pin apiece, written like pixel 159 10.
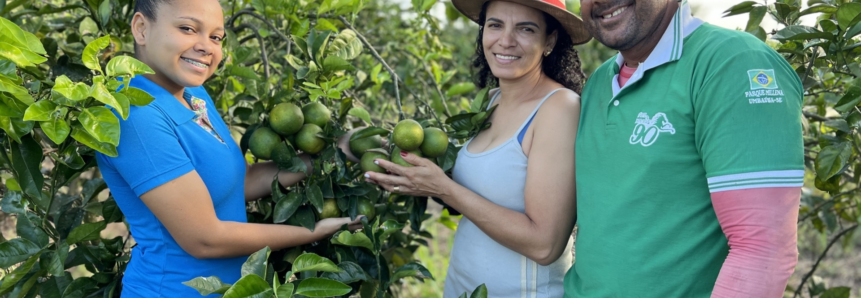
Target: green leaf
pixel 15 127
pixel 249 286
pixel 16 251
pixel 81 135
pixel 756 15
pixel 57 129
pixel 832 159
pixel 799 32
pixel 27 230
pixel 40 111
pixel 18 92
pixel 137 96
pixel 127 66
pixel 91 52
pixel 286 207
pixel 320 287
pixel 740 8
pixel 88 26
pixel 335 63
pixel 350 273
pixel 479 292
pixel 20 38
pixel 244 72
pixel 10 280
pixel 848 14
pixel 369 131
pixel 361 113
pixel 313 262
pixel 86 232
pixel 315 196
pixel 349 239
pixel 74 91
pixel 8 69
pixel 305 217
pixel 825 8
pixel 838 292
pixel 11 108
pixel 285 290
pixel 208 285
pixel 101 93
pixel 851 98
pixel 105 13
pixel 20 56
pixel 350 46
pixel 427 4
pixel 58 259
pixel 411 270
pixel 256 263
pixel 26 161
pixel 389 227
pixel 480 100
pixel 101 123
pixel 80 288
pixel 460 89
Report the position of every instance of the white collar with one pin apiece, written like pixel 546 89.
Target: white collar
pixel 669 48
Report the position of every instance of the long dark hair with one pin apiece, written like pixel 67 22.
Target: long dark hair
pixel 562 65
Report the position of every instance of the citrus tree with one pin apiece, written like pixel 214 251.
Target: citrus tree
pixel 826 58
pixel 339 64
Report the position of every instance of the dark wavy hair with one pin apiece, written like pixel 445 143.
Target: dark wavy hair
pixel 562 65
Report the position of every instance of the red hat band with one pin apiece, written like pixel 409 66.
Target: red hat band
pixel 557 3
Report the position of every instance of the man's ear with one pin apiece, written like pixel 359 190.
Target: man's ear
pixel 140 28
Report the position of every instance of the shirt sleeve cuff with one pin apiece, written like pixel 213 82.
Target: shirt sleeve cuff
pixel 162 178
pixel 786 178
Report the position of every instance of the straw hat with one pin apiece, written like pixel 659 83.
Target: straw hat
pixel 556 8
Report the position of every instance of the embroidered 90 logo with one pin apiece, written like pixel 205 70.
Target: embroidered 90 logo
pixel 647 131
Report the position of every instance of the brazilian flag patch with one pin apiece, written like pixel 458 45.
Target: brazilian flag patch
pixel 762 79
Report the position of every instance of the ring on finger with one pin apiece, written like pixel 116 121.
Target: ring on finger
pixel 396 189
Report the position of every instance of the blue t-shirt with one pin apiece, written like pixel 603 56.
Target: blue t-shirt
pixel 158 143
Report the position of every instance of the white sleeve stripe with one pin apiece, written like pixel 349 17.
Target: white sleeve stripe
pixel 736 182
pixel 751 186
pixel 756 175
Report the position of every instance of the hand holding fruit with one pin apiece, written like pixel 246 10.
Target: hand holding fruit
pixel 423 179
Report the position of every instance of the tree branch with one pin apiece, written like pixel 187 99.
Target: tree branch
pixel 822 256
pixel 435 83
pixel 376 55
pixel 250 11
pixel 263 54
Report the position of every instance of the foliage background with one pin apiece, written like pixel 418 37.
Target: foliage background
pixel 430 55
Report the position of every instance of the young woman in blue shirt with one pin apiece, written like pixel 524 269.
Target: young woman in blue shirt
pixel 179 178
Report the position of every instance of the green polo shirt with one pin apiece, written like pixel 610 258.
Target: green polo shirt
pixel 710 110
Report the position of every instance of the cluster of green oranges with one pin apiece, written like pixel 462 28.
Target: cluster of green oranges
pixel 300 126
pixel 408 136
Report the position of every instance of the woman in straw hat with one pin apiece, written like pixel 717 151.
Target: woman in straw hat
pixel 513 182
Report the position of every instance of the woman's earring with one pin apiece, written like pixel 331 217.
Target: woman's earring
pixel 547 53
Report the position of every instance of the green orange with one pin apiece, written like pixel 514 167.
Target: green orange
pixel 366 208
pixel 359 146
pixel 316 113
pixel 330 209
pixel 408 135
pixel 307 139
pixel 262 141
pixel 368 164
pixel 286 119
pixel 435 142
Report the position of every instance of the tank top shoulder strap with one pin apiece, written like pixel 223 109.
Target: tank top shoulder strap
pixel 522 131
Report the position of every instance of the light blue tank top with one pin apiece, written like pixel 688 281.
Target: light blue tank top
pixel 499 175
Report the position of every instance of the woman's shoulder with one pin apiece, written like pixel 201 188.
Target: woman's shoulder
pixel 565 99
